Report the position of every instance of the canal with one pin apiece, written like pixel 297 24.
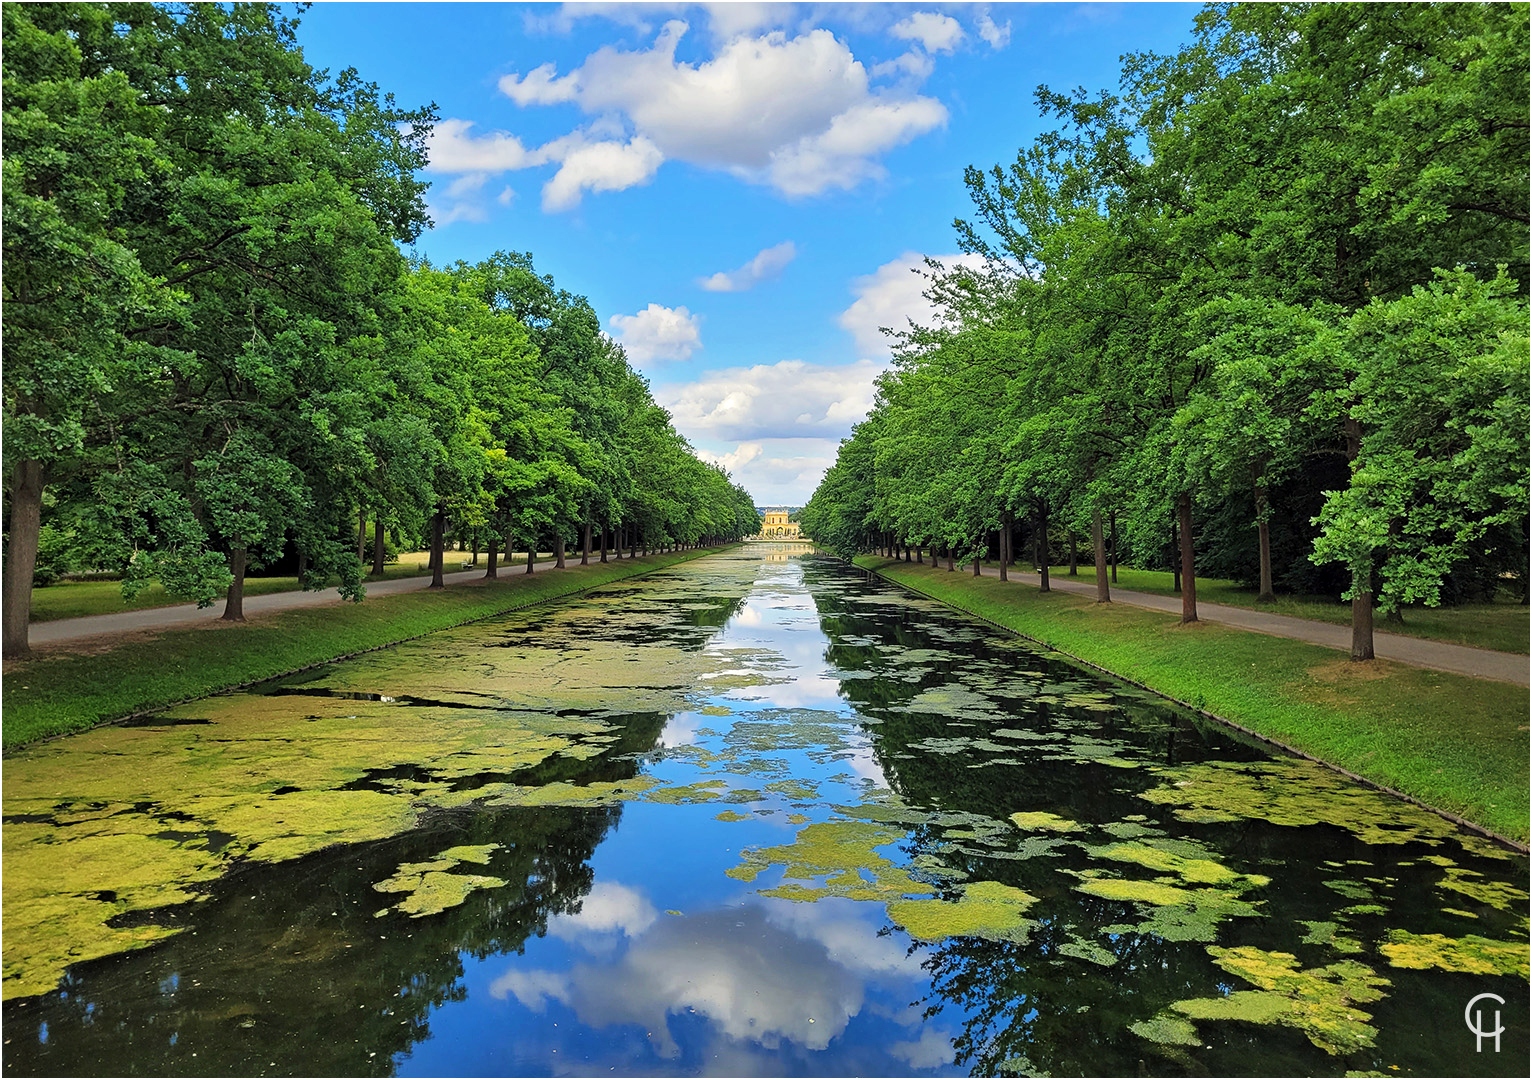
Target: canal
pixel 745 816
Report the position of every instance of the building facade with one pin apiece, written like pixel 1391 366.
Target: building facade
pixel 777 527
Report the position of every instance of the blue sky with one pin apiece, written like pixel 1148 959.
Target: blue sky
pixel 740 189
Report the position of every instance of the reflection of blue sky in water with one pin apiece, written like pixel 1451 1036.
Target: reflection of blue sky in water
pixel 670 967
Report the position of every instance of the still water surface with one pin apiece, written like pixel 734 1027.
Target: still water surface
pixel 746 816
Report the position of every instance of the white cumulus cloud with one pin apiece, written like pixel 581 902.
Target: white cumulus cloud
pixel 658 333
pixel 767 264
pixel 995 35
pixel 789 399
pixel 588 160
pixel 735 459
pixel 892 296
pixel 793 112
pixel 451 148
pixel 935 32
pixel 601 166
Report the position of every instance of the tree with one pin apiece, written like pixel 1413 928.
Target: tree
pixel 1440 397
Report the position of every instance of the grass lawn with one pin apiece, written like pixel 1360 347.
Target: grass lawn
pixel 59 692
pixel 1456 743
pixel 1505 626
pixel 73 599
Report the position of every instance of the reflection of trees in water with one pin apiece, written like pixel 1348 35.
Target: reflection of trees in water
pixel 1033 1006
pixel 288 970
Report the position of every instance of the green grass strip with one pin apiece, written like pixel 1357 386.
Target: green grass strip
pixel 58 693
pixel 1455 743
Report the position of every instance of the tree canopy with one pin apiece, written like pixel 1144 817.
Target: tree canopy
pixel 1262 312
pixel 217 355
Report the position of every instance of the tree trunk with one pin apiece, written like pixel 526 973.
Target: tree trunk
pixel 1098 545
pixel 234 606
pixel 920 555
pixel 1188 571
pixel 585 546
pixel 509 540
pixel 377 547
pixel 532 555
pixel 1361 603
pixel 632 542
pixel 951 565
pixel 558 551
pixel 603 543
pixel 1074 556
pixel 1361 620
pixel 906 552
pixel 978 553
pixel 1042 547
pixel 1175 548
pixel 1263 532
pixel 25 529
pixel 1114 547
pixel 1005 545
pixel 494 560
pixel 438 552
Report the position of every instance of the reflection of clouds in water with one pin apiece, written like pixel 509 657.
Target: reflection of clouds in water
pixel 849 931
pixel 780 616
pixel 931 1050
pixel 753 980
pixel 863 763
pixel 607 908
pixel 680 729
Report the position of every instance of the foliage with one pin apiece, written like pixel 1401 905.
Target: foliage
pixel 216 356
pixel 1275 289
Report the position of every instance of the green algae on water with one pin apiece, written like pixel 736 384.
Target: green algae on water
pixel 842 854
pixel 1167 1031
pixel 1320 1002
pixel 1295 792
pixel 431 889
pixel 1497 894
pixel 984 909
pixel 1041 821
pixel 1194 870
pixel 1471 954
pixel 1328 933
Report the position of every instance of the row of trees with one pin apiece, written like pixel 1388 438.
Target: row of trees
pixel 1264 312
pixel 215 352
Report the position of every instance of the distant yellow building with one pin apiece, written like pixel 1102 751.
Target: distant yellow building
pixel 777 527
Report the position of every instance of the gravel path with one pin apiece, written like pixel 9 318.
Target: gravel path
pixel 164 618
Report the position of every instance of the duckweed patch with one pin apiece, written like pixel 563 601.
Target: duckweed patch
pixel 1167 1031
pixel 984 909
pixel 1328 933
pixel 1194 870
pixel 1041 821
pixel 431 889
pixel 842 854
pixel 357 752
pixel 1472 884
pixel 1471 954
pixel 1320 1002
pixel 1295 792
